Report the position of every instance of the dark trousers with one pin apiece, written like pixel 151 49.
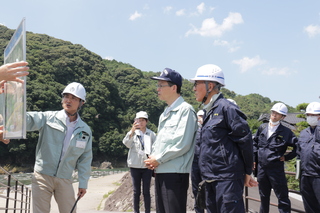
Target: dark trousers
pixel 139 175
pixel 171 192
pixel 310 191
pixel 225 196
pixel 273 178
pixel 196 179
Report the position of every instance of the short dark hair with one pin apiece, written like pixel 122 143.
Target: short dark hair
pixel 178 87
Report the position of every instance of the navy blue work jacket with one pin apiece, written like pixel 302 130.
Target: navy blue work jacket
pixel 309 152
pixel 197 146
pixel 269 150
pixel 226 151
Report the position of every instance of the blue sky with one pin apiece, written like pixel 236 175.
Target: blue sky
pixel 267 47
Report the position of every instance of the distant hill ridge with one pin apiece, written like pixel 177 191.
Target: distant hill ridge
pixel 115 92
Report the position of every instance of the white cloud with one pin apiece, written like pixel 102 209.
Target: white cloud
pixel 233 49
pixel 247 63
pixel 180 12
pixel 232 46
pixel 312 30
pixel 211 9
pixel 135 16
pixel 167 9
pixel 210 28
pixel 201 8
pixel 277 71
pixel 220 43
pixel 110 58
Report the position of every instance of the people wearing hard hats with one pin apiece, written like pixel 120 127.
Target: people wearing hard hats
pixel 308 150
pixel 226 155
pixel 270 145
pixel 172 152
pixel 195 170
pixel 64 144
pixel 139 140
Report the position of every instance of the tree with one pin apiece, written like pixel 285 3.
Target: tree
pixel 115 92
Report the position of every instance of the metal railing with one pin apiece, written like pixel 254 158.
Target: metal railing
pixel 247 197
pixel 102 173
pixel 17 196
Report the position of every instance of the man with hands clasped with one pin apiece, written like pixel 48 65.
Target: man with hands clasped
pixel 172 152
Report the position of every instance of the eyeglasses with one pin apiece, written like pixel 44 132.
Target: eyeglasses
pixel 197 82
pixel 160 86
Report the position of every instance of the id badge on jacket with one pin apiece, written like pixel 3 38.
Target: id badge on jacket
pixel 82 140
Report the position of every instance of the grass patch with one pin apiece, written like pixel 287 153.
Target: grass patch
pixel 108 194
pixel 105 196
pixel 117 183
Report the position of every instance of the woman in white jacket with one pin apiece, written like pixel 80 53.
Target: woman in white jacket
pixel 139 140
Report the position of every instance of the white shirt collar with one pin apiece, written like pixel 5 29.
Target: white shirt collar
pixel 272 129
pixel 73 123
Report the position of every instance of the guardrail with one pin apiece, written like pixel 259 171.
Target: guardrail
pixel 247 197
pixel 17 196
pixel 101 173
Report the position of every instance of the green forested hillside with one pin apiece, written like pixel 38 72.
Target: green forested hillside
pixel 115 92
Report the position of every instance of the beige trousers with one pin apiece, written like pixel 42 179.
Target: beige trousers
pixel 44 186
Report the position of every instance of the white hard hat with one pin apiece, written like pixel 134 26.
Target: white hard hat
pixel 209 72
pixel 75 89
pixel 280 108
pixel 232 101
pixel 142 114
pixel 313 108
pixel 200 113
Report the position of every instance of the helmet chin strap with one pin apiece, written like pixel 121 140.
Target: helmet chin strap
pixel 206 96
pixel 207 93
pixel 69 114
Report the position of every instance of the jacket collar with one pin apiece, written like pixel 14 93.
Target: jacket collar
pixel 279 129
pixel 174 107
pixel 312 131
pixel 212 101
pixel 62 116
pixel 215 102
pixel 214 105
pixel 137 131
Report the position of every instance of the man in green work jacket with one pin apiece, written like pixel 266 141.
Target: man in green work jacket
pixel 172 152
pixel 64 144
